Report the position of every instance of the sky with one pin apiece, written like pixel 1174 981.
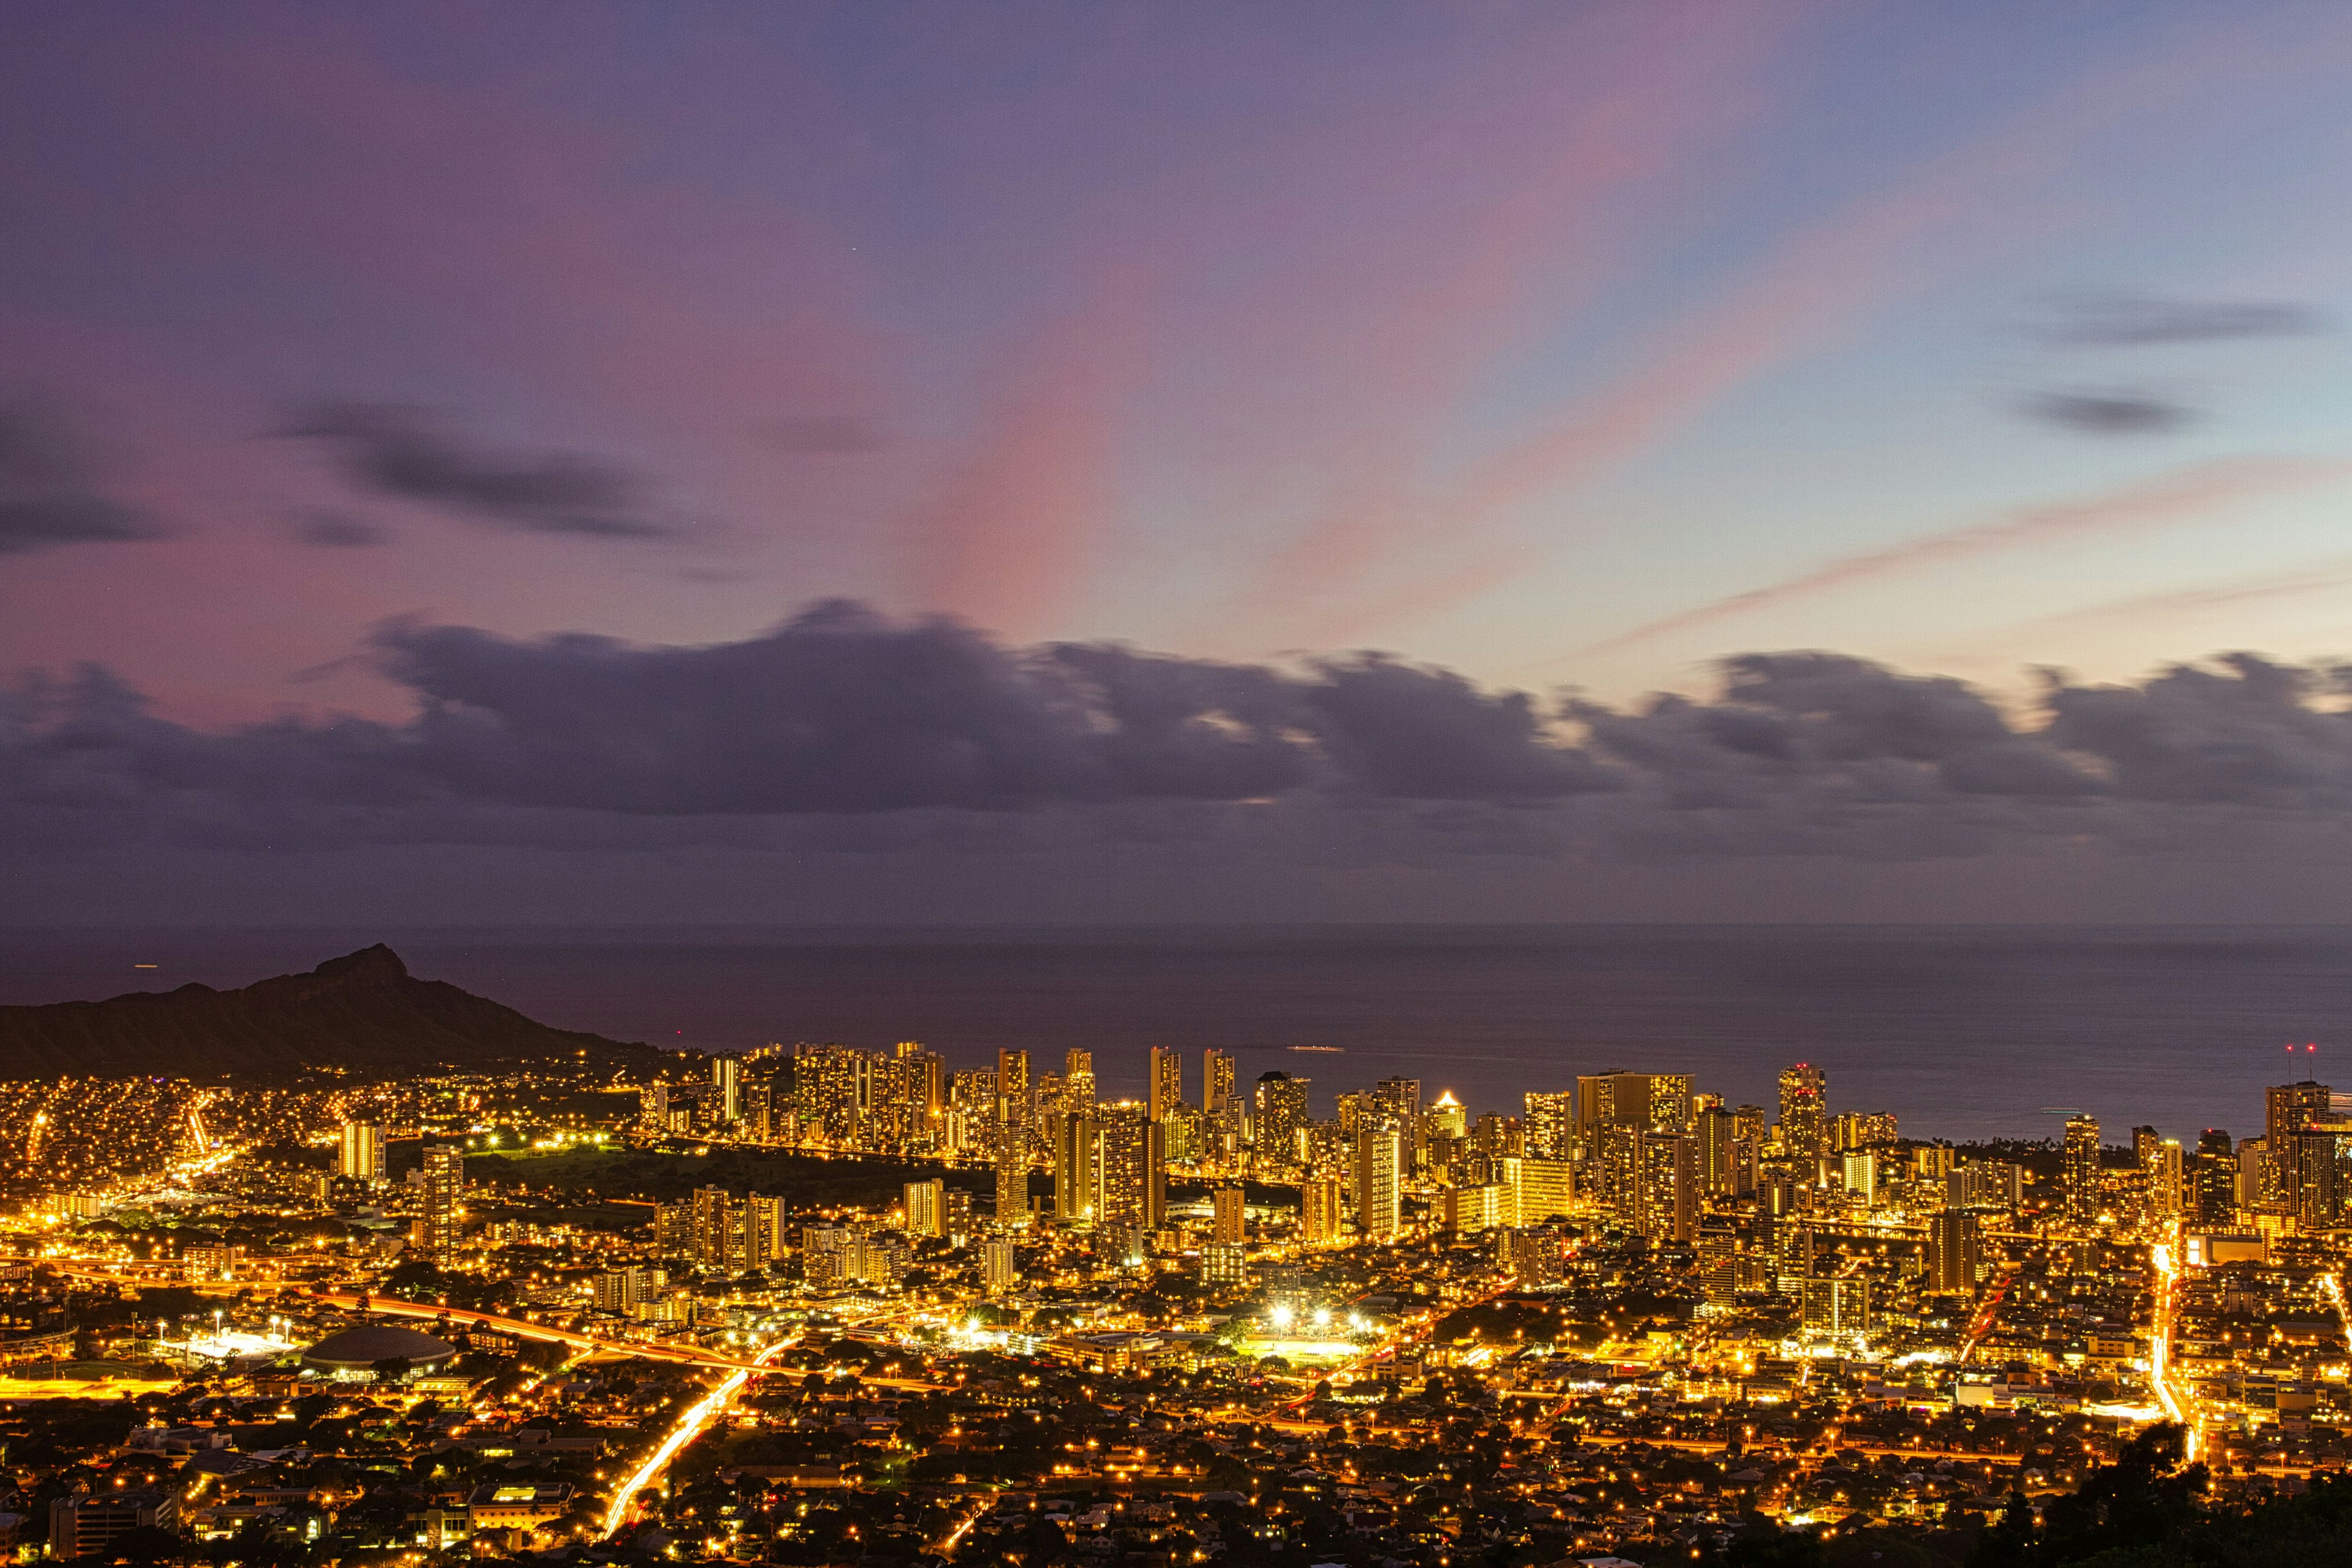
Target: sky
pixel 1035 462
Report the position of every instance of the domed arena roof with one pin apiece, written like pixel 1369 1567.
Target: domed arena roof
pixel 359 1348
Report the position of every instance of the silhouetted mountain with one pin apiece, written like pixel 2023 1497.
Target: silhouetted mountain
pixel 365 1011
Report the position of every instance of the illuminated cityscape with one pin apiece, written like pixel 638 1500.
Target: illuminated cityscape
pixel 1176 783
pixel 773 1304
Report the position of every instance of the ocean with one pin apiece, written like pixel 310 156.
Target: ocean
pixel 1963 1032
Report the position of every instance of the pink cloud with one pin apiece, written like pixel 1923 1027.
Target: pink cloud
pixel 1013 530
pixel 2165 501
pixel 1822 282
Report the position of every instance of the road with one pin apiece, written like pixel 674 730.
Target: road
pixel 690 1426
pixel 2160 1350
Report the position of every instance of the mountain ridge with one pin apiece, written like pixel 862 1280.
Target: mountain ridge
pixel 363 1011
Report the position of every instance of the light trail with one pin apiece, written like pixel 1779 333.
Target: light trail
pixel 2160 1354
pixel 688 1428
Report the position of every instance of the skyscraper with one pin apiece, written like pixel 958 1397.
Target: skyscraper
pixel 1954 1251
pixel 1167 1081
pixel 2288 1109
pixel 445 1195
pixel 926 1207
pixel 1013 1102
pixel 1319 1216
pixel 1013 1174
pixel 1550 1124
pixel 1447 1118
pixel 1380 1181
pixel 1665 1188
pixel 1216 1080
pixel 1281 1112
pixel 2213 1178
pixel 1228 1224
pixel 1718 1141
pixel 2166 1179
pixel 726 1089
pixel 1074 1178
pixel 1134 1191
pixel 2079 1166
pixel 1804 1117
pixel 1078 1082
pixel 1658 1102
pixel 361 1157
pixel 1000 1265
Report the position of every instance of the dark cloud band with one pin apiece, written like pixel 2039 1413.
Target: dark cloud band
pixel 842 717
pixel 399 451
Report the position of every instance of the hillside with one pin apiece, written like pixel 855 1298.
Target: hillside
pixel 363 1011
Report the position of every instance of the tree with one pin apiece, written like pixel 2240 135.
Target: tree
pixel 144 1544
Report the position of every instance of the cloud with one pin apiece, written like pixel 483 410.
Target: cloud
pixel 844 732
pixel 400 451
pixel 2108 412
pixel 815 433
pixel 2162 502
pixel 49 490
pixel 337 530
pixel 2126 321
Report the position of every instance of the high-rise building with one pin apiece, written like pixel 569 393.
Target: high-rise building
pixel 1955 1251
pixel 1281 1112
pixel 726 1089
pixel 1550 1124
pixel 2312 1187
pixel 1547 1190
pixel 1078 1082
pixel 1216 1080
pixel 723 1232
pixel 1659 1102
pixel 1012 1175
pixel 1718 1269
pixel 1399 1100
pixel 1185 1129
pixel 1468 1210
pixel 361 1157
pixel 1321 1215
pixel 2079 1166
pixel 1074 1177
pixel 1665 1189
pixel 1228 1216
pixel 926 1207
pixel 1804 1114
pixel 444 1197
pixel 623 1289
pixel 1859 1168
pixel 767 1236
pixel 2166 1180
pixel 1013 1108
pixel 1380 1181
pixel 1134 1187
pixel 1840 1305
pixel 2288 1109
pixel 1447 1118
pixel 1167 1081
pixel 1717 1132
pixel 1536 1255
pixel 1000 1265
pixel 1861 1130
pixel 2213 1178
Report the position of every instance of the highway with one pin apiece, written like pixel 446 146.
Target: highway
pixel 690 1426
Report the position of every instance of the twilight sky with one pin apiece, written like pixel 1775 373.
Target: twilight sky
pixel 360 367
